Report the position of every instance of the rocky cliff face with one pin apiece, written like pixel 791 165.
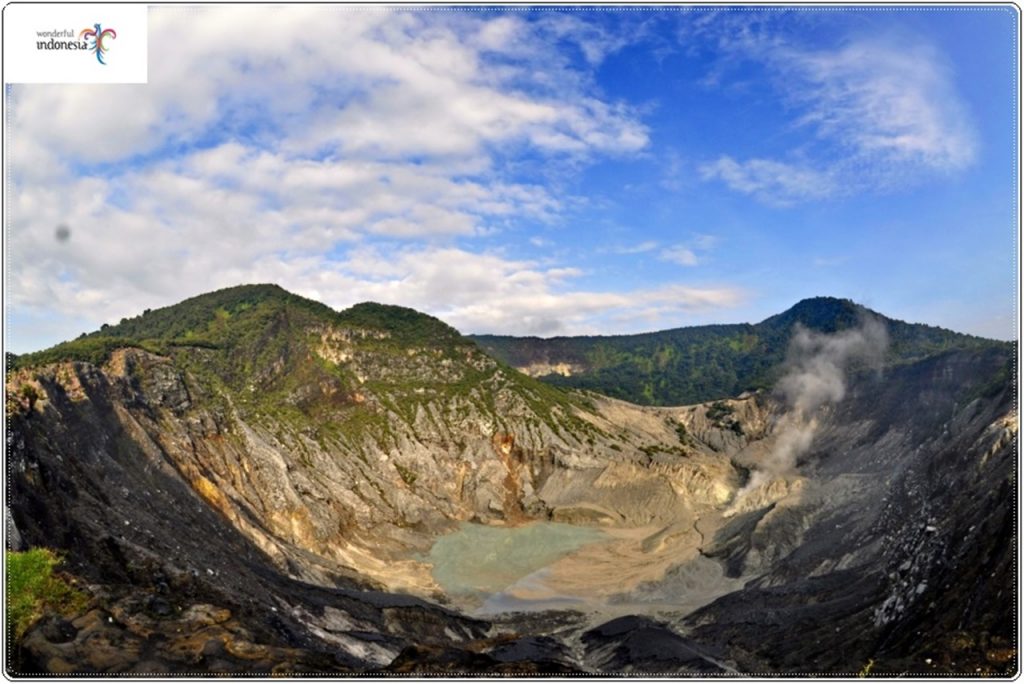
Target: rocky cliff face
pixel 266 477
pixel 905 534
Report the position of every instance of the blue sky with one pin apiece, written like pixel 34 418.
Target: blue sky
pixel 529 172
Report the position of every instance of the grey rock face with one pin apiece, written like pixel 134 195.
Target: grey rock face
pixel 906 531
pixel 641 646
pixel 14 542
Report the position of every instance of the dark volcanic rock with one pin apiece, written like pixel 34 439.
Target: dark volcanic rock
pixel 531 649
pixel 435 660
pixel 732 543
pixel 639 645
pixel 907 567
pixel 57 630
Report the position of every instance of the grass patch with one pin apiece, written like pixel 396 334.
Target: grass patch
pixel 721 416
pixel 718 410
pixel 33 589
pixel 407 475
pixel 681 432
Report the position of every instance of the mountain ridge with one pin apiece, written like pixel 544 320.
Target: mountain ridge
pixel 667 367
pixel 794 311
pixel 199 321
pixel 701 363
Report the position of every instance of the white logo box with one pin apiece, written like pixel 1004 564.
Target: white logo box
pixel 28 25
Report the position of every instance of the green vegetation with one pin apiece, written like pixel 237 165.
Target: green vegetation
pixel 866 670
pixel 94 349
pixel 720 415
pixel 30 394
pixel 406 327
pixel 693 365
pixel 245 316
pixel 33 589
pixel 207 317
pixel 718 410
pixel 652 449
pixel 258 349
pixel 1003 380
pixel 681 431
pixel 207 321
pixel 408 476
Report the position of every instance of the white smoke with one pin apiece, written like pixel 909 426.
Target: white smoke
pixel 817 363
pixel 816 377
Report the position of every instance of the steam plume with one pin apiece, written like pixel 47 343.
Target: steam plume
pixel 815 377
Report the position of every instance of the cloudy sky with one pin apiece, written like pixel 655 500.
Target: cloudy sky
pixel 528 172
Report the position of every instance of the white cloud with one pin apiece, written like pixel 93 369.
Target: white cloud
pixel 672 173
pixel 377 83
pixel 704 241
pixel 689 253
pixel 473 292
pixel 489 293
pixel 885 112
pixel 772 182
pixel 894 102
pixel 198 222
pixel 344 152
pixel 639 248
pixel 594 41
pixel 678 254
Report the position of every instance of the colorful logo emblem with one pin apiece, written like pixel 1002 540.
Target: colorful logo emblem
pixel 97 35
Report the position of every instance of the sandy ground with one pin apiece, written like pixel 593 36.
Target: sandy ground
pixel 649 570
pixel 652 569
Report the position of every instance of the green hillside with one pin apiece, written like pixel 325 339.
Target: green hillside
pixel 234 335
pixel 235 316
pixel 690 365
pixel 281 355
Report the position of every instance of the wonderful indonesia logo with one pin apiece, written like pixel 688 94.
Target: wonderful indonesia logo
pixel 90 39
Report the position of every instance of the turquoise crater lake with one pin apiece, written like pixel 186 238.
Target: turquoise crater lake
pixel 481 560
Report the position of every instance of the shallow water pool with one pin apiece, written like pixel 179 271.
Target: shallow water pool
pixel 478 561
